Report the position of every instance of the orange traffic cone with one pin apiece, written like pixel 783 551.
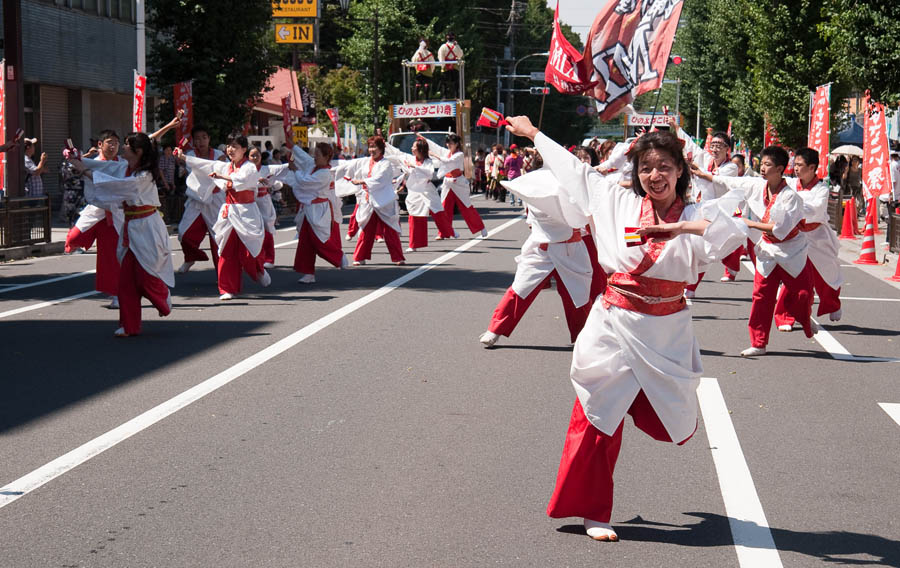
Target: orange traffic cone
pixel 867 250
pixel 847 225
pixel 896 276
pixel 854 217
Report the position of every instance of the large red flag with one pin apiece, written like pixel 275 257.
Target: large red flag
pixel 2 122
pixel 184 100
pixel 333 116
pixel 819 131
pixel 137 116
pixel 628 50
pixel 565 67
pixel 771 135
pixel 876 162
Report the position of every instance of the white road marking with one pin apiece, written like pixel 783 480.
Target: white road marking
pixel 15 287
pixel 749 528
pixel 31 481
pixel 870 299
pixel 46 304
pixel 893 410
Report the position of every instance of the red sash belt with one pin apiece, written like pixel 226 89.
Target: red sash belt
pixel 772 239
pixel 807 227
pixel 576 237
pixel 262 192
pixel 316 200
pixel 454 174
pixel 133 212
pixel 242 197
pixel 650 296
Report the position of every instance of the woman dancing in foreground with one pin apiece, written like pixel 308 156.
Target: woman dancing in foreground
pixel 637 353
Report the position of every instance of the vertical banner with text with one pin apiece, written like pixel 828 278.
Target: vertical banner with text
pixel 876 161
pixel 140 89
pixel 333 116
pixel 2 122
pixel 184 100
pixel 819 129
pixel 286 119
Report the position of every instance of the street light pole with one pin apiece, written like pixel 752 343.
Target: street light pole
pixel 375 77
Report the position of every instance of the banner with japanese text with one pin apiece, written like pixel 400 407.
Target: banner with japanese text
pixel 137 115
pixel 333 116
pixel 819 129
pixel 184 101
pixel 876 175
pixel 770 137
pixel 3 122
pixel 565 70
pixel 286 117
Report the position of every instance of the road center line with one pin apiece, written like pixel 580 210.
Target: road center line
pixel 749 528
pixel 46 304
pixel 893 410
pixel 31 481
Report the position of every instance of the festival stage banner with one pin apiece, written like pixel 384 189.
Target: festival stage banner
pixel 819 131
pixel 137 117
pixel 184 101
pixel 876 161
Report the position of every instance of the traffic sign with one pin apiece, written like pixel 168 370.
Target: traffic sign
pixel 537 76
pixel 294 8
pixel 293 33
pixel 301 136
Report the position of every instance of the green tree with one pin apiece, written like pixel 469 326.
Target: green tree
pixel 225 51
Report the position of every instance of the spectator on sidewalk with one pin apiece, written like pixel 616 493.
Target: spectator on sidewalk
pixel 167 194
pixel 34 185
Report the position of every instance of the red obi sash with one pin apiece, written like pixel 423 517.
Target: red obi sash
pixel 454 174
pixel 133 212
pixel 576 237
pixel 770 201
pixel 650 296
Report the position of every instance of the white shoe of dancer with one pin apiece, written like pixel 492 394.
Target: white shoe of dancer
pixel 184 267
pixel 345 262
pixel 785 327
pixel 455 234
pixel 401 263
pixel 689 294
pixel 226 296
pixel 307 279
pixel 488 339
pixel 600 531
pixel 358 262
pixel 483 233
pixel 168 304
pixel 268 265
pixel 753 352
pixel 120 332
pixel 410 249
pixel 113 303
pixel 265 279
pixel 348 238
pixel 836 316
pixel 729 276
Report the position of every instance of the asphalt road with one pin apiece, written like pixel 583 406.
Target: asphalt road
pixel 358 422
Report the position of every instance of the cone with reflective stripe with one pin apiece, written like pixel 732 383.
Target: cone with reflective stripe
pixel 854 218
pixel 846 226
pixel 867 250
pixel 896 276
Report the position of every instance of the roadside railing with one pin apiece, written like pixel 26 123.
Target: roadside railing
pixel 24 221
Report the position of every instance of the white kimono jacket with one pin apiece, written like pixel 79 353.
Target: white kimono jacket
pixel 459 185
pixel 621 352
pixel 200 203
pixel 422 197
pixel 310 183
pixel 91 214
pixel 823 242
pixel 705 161
pixel 786 213
pixel 244 218
pixel 274 177
pixel 378 195
pixel 550 226
pixel 148 238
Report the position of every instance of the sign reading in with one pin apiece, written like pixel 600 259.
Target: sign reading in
pixel 294 8
pixel 293 33
pixel 441 109
pixel 301 136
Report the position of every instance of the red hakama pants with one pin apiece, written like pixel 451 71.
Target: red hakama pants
pixel 268 248
pixel 353 225
pixel 798 302
pixel 367 240
pixel 106 278
pixel 469 214
pixel 309 245
pixel 135 283
pixel 234 258
pixel 829 299
pixel 193 238
pixel 512 307
pixel 418 228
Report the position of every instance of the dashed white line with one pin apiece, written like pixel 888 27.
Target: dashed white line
pixel 31 481
pixel 753 540
pixel 893 410
pixel 46 304
pixel 15 287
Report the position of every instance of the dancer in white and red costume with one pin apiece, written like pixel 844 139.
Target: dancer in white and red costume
pixel 637 353
pixel 143 248
pixel 271 178
pixel 823 243
pixel 377 207
pixel 239 229
pixel 781 248
pixel 200 211
pixel 455 188
pixel 554 249
pixel 422 198
pixel 318 212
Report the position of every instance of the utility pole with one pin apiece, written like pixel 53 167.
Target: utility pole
pixel 375 75
pixel 15 95
pixel 510 58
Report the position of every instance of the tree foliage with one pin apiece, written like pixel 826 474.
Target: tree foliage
pixel 225 51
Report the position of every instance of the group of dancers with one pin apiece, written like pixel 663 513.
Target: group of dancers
pixel 229 200
pixel 626 240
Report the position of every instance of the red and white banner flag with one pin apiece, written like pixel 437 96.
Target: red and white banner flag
pixel 628 49
pixel 137 115
pixel 708 142
pixel 770 138
pixel 819 131
pixel 184 101
pixel 728 132
pixel 876 174
pixel 286 119
pixel 333 115
pixel 490 118
pixel 2 121
pixel 565 69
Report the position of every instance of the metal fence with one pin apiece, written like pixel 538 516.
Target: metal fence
pixel 893 235
pixel 24 221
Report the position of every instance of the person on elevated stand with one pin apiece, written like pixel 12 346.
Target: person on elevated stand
pixel 422 198
pixel 318 212
pixel 704 165
pixel 143 247
pixel 455 188
pixel 822 255
pixel 781 247
pixel 424 71
pixel 448 52
pixel 200 215
pixel 637 353
pixel 378 210
pixel 239 228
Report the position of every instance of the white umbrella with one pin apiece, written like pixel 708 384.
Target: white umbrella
pixel 848 150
